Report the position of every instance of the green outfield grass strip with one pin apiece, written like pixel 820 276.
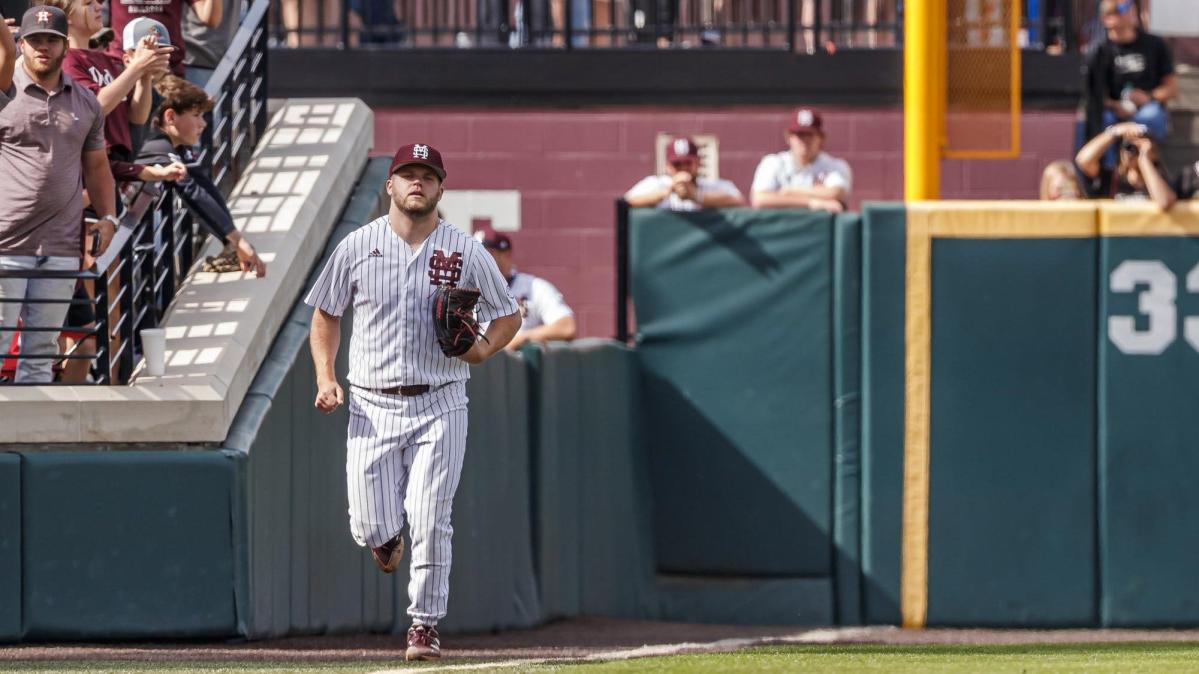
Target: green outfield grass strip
pixel 836 659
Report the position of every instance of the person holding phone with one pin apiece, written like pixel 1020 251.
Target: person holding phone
pixel 1138 173
pixel 167 13
pixel 124 87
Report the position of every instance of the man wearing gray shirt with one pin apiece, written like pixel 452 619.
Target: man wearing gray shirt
pixel 51 146
pixel 206 46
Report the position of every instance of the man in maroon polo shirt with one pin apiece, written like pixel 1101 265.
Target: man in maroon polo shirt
pixel 51 144
pixel 169 13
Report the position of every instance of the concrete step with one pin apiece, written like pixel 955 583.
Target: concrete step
pixel 1188 89
pixel 1184 127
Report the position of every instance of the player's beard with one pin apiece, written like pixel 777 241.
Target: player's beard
pixel 422 211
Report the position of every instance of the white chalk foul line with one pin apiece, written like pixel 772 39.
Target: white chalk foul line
pixel 817 636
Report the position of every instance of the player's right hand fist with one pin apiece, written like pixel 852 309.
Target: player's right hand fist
pixel 329 396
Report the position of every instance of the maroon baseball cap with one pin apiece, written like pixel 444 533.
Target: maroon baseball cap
pixel 681 148
pixel 418 153
pixel 806 120
pixel 493 239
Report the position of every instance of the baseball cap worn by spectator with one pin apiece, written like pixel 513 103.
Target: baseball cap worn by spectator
pixel 142 27
pixel 44 20
pixel 806 120
pixel 681 149
pixel 493 239
pixel 418 153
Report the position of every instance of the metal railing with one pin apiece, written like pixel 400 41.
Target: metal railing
pixel 804 26
pixel 157 242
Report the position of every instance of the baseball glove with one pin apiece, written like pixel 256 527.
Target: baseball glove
pixel 454 319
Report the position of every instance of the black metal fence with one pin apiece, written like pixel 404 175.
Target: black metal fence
pixel 804 26
pixel 136 279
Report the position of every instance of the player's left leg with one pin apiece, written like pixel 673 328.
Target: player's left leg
pixel 437 456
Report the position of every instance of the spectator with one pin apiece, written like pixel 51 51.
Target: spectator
pixel 205 45
pixel 1133 71
pixel 41 205
pixel 654 20
pixel 1059 181
pixel 1187 183
pixel 178 123
pixel 125 94
pixel 682 188
pixel 545 315
pixel 1138 173
pixel 8 52
pixel 803 176
pixel 167 12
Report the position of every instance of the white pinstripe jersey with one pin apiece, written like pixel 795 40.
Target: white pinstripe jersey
pixel 389 284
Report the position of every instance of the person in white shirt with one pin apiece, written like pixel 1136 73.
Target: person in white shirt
pixel 682 188
pixel 544 314
pixel 803 176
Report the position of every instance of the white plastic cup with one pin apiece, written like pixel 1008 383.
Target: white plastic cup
pixel 154 348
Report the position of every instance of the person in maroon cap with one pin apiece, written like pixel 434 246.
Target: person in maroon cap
pixel 682 188
pixel 544 314
pixel 803 176
pixel 407 400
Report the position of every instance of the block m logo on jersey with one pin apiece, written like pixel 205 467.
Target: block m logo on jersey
pixel 445 269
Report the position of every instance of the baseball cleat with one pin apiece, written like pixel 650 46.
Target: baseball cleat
pixel 388 555
pixel 423 643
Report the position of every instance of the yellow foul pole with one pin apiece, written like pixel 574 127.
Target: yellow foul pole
pixel 923 97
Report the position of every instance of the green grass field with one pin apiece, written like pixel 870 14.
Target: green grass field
pixel 1091 658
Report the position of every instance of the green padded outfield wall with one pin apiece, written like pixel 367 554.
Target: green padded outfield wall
pixel 847 383
pixel 883 255
pixel 141 547
pixel 734 322
pixel 1012 493
pixel 593 521
pixel 1149 448
pixel 10 547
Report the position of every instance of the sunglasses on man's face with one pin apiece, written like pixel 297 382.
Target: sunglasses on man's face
pixel 1120 9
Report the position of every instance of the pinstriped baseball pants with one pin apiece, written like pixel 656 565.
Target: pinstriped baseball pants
pixel 403 460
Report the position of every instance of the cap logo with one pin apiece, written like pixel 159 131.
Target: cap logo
pixel 43 16
pixel 804 118
pixel 681 146
pixel 420 151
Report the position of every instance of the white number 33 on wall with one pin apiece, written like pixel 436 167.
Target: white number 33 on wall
pixel 1156 302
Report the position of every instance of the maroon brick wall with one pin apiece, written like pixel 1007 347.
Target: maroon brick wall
pixel 570 166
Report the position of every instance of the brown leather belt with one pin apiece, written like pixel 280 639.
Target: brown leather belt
pixel 414 390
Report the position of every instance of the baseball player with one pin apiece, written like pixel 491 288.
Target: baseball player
pixel 545 316
pixel 804 175
pixel 682 188
pixel 407 399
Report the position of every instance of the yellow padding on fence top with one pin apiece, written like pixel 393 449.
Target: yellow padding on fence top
pixel 1122 218
pixel 1007 219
